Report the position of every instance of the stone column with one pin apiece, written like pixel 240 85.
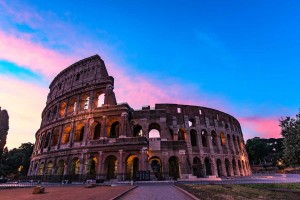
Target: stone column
pixel 120 165
pixel 71 138
pixel 123 124
pixel 237 168
pixel 103 127
pixel 100 165
pixel 82 162
pixel 59 136
pixel 214 167
pixel 219 143
pixel 223 165
pixel 144 159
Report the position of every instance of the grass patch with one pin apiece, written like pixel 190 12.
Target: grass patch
pixel 250 191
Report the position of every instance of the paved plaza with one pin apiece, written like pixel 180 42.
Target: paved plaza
pixel 155 192
pixel 64 193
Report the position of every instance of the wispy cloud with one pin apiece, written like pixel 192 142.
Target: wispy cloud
pixel 32 56
pixel 264 127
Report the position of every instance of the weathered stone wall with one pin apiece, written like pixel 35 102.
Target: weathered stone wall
pixel 85 131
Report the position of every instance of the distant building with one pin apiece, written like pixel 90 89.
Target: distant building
pixel 3 129
pixel 84 132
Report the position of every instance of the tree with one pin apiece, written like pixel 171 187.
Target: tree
pixel 290 130
pixel 17 160
pixel 257 150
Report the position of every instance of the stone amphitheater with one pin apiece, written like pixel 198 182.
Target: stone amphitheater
pixel 86 134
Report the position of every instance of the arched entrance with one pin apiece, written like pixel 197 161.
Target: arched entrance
pixel 49 168
pixel 60 167
pixel 219 167
pixel 91 167
pixel 240 168
pixel 174 167
pixel 197 167
pixel 227 165
pixel 234 167
pixel 111 167
pixel 132 167
pixel 207 167
pixel 155 163
pixel 74 166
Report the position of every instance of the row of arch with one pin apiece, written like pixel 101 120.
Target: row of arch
pixel 74 104
pixel 154 131
pixel 226 167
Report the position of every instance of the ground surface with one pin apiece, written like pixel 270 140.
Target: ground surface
pixel 250 191
pixel 64 193
pixel 155 192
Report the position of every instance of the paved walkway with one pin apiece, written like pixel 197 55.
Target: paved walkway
pixel 155 192
pixel 64 193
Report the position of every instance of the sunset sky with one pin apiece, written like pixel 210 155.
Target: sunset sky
pixel 241 57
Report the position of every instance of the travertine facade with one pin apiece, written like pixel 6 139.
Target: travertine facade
pixel 85 132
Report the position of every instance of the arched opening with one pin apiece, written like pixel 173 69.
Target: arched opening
pixel 244 168
pixel 222 138
pixel 41 169
pixel 66 135
pixel 137 131
pixel 192 122
pixel 35 168
pixel 79 133
pixel 91 167
pixel 174 167
pixel 62 108
pixel 114 130
pixel 240 168
pixel 229 142
pixel 171 133
pixel 77 77
pixel 95 130
pixel 111 167
pixel 154 130
pixel 60 167
pixel 238 142
pixel 156 166
pixel 193 134
pixel 49 167
pixel 207 167
pixel 54 111
pixel 181 134
pixel 74 166
pixel 219 167
pixel 72 105
pixel 132 167
pixel 204 138
pixel 227 165
pixel 234 167
pixel 197 167
pixel 100 100
pixel 214 138
pixel 86 103
pixel 47 140
pixel 55 137
pixel 234 143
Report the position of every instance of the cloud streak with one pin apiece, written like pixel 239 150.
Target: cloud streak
pixel 264 127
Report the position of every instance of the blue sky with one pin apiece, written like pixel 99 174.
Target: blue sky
pixel 237 56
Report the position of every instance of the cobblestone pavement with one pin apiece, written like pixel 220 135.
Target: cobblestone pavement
pixel 155 192
pixel 64 193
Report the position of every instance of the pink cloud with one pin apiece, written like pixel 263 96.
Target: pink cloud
pixel 24 103
pixel 265 127
pixel 32 56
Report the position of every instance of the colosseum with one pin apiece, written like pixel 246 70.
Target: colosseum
pixel 86 134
